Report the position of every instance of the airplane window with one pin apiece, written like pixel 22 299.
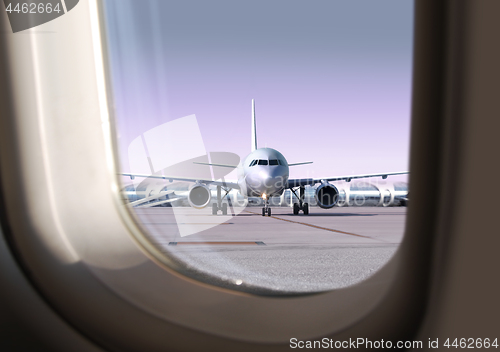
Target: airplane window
pixel 188 81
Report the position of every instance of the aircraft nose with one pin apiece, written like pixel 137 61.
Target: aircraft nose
pixel 266 181
pixel 277 178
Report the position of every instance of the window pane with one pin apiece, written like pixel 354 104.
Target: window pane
pixel 332 84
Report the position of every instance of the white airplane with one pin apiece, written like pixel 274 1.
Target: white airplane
pixel 264 173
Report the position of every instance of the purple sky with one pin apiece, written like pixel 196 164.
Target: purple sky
pixel 331 79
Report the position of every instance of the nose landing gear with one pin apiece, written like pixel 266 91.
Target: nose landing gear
pixel 267 208
pixel 266 211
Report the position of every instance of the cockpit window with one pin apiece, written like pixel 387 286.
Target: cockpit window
pixel 273 162
pixel 262 162
pixel 253 163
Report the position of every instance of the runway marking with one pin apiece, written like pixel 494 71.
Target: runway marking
pixel 204 223
pixel 186 223
pixel 259 243
pixel 315 226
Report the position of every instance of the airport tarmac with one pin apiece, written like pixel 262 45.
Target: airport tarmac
pixel 284 253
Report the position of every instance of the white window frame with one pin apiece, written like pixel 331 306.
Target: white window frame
pixel 84 251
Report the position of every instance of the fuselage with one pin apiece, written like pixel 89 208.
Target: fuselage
pixel 263 173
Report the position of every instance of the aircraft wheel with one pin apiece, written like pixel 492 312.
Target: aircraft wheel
pixel 305 208
pixel 295 209
pixel 224 209
pixel 268 211
pixel 214 209
pixel 263 211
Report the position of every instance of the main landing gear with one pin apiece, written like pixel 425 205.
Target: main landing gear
pixel 219 206
pixel 301 205
pixel 215 209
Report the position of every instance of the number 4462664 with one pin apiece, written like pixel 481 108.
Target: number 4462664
pixel 33 8
pixel 471 343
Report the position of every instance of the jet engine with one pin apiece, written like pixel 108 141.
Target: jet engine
pixel 199 196
pixel 327 195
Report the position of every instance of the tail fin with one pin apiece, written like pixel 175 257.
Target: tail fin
pixel 254 128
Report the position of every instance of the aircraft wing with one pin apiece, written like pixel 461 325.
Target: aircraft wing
pixel 296 182
pixel 228 184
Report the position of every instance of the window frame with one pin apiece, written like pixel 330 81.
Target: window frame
pixel 50 250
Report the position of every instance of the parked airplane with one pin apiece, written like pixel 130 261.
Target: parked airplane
pixel 264 173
